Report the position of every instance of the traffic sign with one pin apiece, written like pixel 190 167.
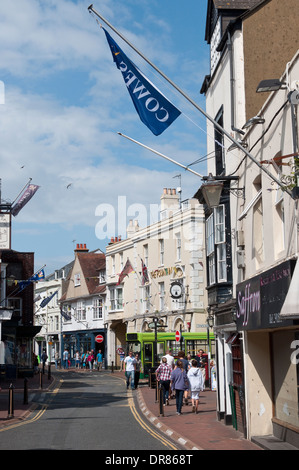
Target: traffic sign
pixel 99 338
pixel 178 336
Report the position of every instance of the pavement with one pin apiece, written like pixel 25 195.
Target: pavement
pixel 191 431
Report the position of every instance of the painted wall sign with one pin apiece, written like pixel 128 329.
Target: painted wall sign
pixel 174 270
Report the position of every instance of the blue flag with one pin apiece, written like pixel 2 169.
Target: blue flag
pixel 47 299
pixel 154 109
pixel 38 276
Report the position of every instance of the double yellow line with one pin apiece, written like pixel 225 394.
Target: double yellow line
pixel 38 415
pixel 147 428
pixel 26 421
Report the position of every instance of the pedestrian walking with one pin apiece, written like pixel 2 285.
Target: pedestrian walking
pixel 179 383
pixel 201 362
pixel 163 374
pixel 77 359
pixel 100 360
pixel 56 359
pixel 130 366
pixel 196 383
pixel 44 357
pixel 181 357
pixel 170 358
pixel 137 370
pixel 90 359
pixel 65 358
pixel 83 361
pixel 35 362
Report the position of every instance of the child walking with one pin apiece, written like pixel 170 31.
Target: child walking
pixel 196 384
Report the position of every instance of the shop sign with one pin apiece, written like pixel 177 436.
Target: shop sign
pixel 260 299
pixel 174 270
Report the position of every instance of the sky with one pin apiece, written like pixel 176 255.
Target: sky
pixel 64 104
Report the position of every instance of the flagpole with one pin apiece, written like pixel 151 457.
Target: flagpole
pixel 161 155
pixel 216 124
pixel 17 290
pixel 27 184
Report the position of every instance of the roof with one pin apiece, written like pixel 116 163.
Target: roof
pixel 235 4
pixel 91 264
pixel 236 7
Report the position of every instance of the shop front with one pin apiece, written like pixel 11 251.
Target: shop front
pixel 271 368
pixel 84 341
pixel 18 344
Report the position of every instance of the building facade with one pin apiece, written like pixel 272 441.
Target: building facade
pixel 246 48
pixel 47 313
pixel 266 320
pixel 83 304
pixel 18 332
pixel 165 283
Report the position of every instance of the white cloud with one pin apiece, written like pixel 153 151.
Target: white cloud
pixel 59 140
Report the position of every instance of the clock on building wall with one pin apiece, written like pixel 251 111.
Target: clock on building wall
pixel 215 39
pixel 176 290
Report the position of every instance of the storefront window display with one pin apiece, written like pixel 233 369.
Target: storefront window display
pixel 24 352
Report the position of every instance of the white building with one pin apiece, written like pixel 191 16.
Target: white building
pixel 173 252
pixel 49 316
pixel 250 41
pixel 267 320
pixel 83 304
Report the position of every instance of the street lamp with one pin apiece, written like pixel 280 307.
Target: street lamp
pixel 272 84
pixel 155 325
pixel 211 190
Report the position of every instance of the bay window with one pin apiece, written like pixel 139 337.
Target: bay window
pixel 216 246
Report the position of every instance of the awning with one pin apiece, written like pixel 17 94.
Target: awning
pixel 27 331
pixel 290 308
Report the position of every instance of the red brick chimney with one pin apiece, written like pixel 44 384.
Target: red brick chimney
pixel 81 248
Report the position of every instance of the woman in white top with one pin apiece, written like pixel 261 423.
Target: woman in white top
pixel 196 384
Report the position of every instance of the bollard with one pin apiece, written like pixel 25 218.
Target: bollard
pixel 40 379
pixel 10 402
pixel 160 394
pixel 49 371
pixel 157 392
pixel 112 369
pixel 25 402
